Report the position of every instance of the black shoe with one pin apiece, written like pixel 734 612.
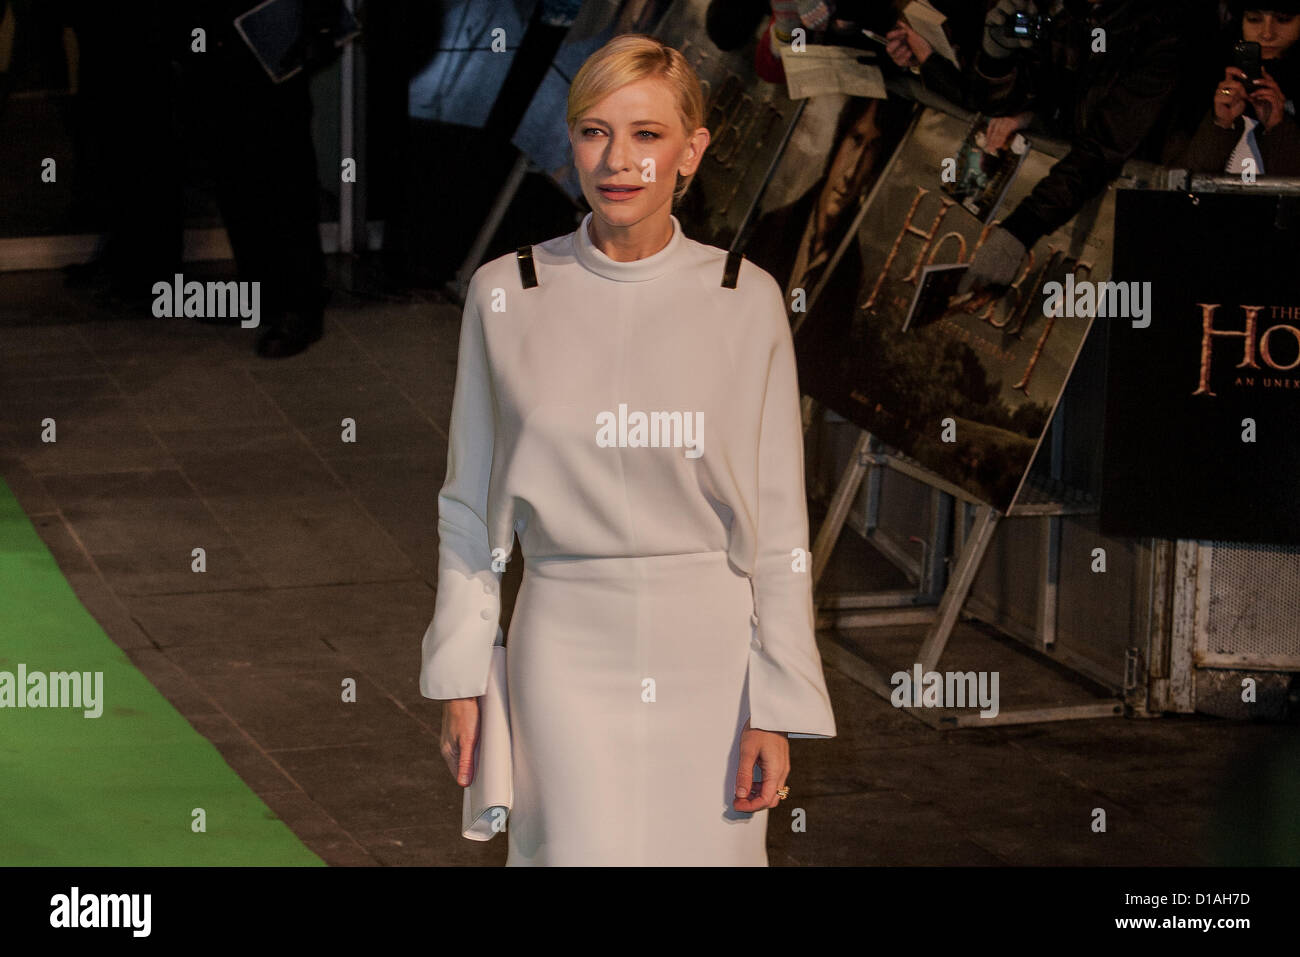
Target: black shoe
pixel 235 320
pixel 84 275
pixel 289 334
pixel 123 304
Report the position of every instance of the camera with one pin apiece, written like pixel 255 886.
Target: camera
pixel 1024 26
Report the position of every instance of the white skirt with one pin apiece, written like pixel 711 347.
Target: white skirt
pixel 627 698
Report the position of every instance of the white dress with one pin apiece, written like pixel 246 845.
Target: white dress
pixel 667 593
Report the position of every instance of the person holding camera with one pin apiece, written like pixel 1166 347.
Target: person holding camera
pixel 1251 126
pixel 1100 74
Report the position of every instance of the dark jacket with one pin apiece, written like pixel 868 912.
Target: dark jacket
pixel 1108 106
pixel 965 28
pixel 1211 147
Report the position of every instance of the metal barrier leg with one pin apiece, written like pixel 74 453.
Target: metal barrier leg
pixel 959 585
pixel 841 502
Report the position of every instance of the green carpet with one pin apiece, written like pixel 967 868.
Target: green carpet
pixel 119 789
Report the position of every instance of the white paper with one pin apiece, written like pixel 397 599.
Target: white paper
pixel 490 795
pixel 928 22
pixel 824 69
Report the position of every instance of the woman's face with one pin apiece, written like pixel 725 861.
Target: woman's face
pixel 1274 32
pixel 634 139
pixel 854 157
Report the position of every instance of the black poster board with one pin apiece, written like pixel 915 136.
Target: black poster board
pixel 1175 463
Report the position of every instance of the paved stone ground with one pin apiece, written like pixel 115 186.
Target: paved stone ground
pixel 321 565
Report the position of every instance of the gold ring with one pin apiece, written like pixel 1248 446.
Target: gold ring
pixel 783 792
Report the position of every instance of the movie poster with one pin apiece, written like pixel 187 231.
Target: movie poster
pixel 969 394
pixel 842 142
pixel 747 119
pixel 1202 433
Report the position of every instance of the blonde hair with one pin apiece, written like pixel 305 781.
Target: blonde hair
pixel 631 57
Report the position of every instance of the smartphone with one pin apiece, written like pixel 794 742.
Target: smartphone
pixel 1246 58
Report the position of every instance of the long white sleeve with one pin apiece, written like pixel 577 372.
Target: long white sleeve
pixel 457 646
pixel 787 690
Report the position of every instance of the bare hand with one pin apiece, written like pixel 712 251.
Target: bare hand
pixel 1270 103
pixel 771 751
pixel 906 47
pixel 460 722
pixel 1230 97
pixel 1002 128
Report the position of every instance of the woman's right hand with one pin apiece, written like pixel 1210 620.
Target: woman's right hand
pixel 906 47
pixel 1269 100
pixel 459 736
pixel 1230 97
pixel 1003 128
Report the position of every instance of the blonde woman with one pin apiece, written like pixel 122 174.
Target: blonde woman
pixel 636 423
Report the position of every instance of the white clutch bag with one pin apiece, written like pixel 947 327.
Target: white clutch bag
pixel 490 795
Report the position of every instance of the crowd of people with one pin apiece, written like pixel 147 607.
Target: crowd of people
pixel 177 90
pixel 1209 86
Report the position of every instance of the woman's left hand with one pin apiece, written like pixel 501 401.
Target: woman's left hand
pixel 771 751
pixel 1270 103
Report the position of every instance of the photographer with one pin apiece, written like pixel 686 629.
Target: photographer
pixel 1253 119
pixel 1108 104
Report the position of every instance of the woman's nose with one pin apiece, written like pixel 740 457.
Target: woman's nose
pixel 1266 31
pixel 617 156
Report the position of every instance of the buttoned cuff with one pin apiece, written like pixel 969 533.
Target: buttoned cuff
pixel 786 685
pixel 457 645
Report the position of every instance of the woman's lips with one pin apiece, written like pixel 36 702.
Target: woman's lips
pixel 618 194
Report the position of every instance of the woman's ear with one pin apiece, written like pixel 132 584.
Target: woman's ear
pixel 696 144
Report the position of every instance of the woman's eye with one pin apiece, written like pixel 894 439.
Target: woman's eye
pixel 651 133
pixel 590 129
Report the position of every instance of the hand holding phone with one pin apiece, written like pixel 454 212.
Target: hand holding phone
pixel 1246 58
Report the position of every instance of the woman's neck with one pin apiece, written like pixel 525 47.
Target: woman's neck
pixel 629 243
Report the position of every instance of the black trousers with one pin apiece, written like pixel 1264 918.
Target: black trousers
pixel 149 102
pixel 255 136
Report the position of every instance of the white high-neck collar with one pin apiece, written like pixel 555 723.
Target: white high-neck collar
pixel 636 270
